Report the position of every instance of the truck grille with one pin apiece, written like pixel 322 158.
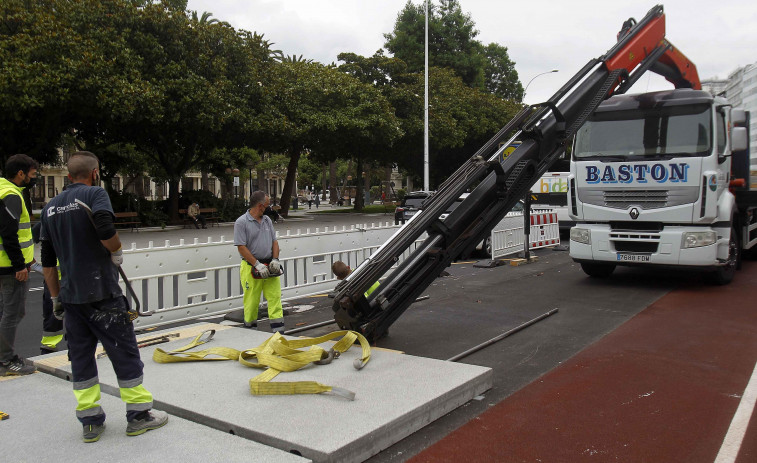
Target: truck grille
pixel 647 199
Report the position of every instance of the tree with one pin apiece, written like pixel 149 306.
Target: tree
pixel 317 108
pixel 500 74
pixel 453 45
pixel 178 88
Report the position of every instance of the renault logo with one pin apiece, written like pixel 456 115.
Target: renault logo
pixel 634 213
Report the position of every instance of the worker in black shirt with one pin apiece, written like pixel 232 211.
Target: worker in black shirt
pixel 77 229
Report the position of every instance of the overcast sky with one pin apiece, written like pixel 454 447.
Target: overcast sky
pixel 717 35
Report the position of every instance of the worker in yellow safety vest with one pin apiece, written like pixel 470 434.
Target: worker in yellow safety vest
pixel 16 255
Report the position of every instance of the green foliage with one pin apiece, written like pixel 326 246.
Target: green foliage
pixel 453 45
pixel 309 173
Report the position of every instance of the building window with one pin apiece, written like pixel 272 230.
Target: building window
pixel 66 182
pixel 187 184
pixel 116 183
pixel 147 186
pixel 50 186
pixel 160 190
pixel 212 185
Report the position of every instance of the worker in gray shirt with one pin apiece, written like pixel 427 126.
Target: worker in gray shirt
pixel 260 269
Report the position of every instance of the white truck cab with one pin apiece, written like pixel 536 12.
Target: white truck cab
pixel 652 183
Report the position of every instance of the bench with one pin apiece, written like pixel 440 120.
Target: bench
pixel 127 219
pixel 210 214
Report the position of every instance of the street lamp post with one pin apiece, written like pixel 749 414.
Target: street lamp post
pixel 534 77
pixel 426 186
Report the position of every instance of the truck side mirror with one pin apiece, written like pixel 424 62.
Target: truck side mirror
pixel 738 117
pixel 738 139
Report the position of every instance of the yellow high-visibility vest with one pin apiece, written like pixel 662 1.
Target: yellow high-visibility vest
pixel 24 226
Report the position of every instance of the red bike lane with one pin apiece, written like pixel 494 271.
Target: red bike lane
pixel 663 387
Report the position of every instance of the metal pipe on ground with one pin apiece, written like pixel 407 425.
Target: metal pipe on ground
pixel 501 336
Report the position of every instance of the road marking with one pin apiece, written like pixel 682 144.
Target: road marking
pixel 36 289
pixel 735 436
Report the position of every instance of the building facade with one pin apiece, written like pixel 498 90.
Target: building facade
pixel 741 91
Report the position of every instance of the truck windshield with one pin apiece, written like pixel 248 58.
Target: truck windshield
pixel 666 132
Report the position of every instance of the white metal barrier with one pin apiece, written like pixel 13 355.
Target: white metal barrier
pixel 199 279
pixel 508 237
pixel 187 281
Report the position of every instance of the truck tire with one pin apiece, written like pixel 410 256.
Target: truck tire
pixel 595 270
pixel 724 275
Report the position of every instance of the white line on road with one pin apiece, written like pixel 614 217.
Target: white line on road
pixel 735 436
pixel 36 289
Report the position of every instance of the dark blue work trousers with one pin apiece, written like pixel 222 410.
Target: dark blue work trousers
pixel 108 322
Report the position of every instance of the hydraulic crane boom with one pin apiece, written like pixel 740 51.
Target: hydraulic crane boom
pixel 499 181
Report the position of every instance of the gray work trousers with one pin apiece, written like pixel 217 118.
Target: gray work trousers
pixel 12 310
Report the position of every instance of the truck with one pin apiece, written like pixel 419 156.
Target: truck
pixel 663 179
pixel 497 180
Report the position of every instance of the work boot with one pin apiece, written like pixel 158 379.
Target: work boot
pixel 16 367
pixel 92 432
pixel 153 420
pixel 278 327
pixel 251 325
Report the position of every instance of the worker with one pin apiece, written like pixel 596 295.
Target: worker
pixel 16 256
pixel 260 269
pixel 77 230
pixel 52 328
pixel 341 270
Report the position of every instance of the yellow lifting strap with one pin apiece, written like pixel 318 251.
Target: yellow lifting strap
pixel 275 355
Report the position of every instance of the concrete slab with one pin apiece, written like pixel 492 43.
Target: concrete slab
pixel 42 428
pixel 396 395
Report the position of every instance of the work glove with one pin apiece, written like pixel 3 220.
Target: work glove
pixel 57 308
pixel 117 257
pixel 262 269
pixel 274 267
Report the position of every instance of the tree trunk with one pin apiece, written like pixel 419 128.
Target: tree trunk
pixel 387 185
pixel 286 193
pixel 173 199
pixel 204 181
pixel 367 183
pixel 332 182
pixel 262 184
pixel 323 183
pixel 358 185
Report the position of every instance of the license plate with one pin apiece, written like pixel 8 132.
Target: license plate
pixel 625 257
pixel 410 213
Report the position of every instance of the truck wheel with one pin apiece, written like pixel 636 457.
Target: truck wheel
pixel 724 275
pixel 488 246
pixel 598 270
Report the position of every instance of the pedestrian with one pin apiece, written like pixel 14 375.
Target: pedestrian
pixel 317 200
pixel 16 256
pixel 52 328
pixel 193 212
pixel 78 231
pixel 341 270
pixel 260 269
pixel 310 200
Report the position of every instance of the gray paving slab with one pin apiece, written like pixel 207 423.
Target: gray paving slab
pixel 396 395
pixel 42 428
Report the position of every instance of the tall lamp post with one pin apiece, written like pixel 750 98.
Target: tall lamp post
pixel 534 77
pixel 426 186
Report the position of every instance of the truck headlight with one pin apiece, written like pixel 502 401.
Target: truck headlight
pixel 697 239
pixel 580 235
